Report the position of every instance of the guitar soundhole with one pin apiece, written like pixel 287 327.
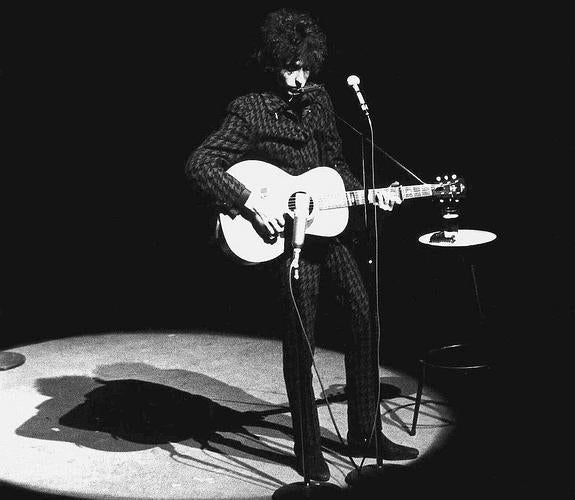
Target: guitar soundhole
pixel 291 204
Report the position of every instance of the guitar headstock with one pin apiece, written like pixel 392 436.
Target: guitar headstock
pixel 449 188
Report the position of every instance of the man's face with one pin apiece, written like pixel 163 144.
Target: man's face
pixel 293 78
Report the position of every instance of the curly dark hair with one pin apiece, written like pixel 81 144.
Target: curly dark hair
pixel 289 36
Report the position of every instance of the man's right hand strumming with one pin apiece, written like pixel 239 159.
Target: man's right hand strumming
pixel 267 220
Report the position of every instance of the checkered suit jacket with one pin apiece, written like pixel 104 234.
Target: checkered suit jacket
pixel 263 126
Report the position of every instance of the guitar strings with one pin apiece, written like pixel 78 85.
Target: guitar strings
pixel 336 200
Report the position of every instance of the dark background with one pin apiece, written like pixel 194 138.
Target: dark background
pixel 102 103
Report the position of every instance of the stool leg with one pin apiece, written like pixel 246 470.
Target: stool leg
pixel 476 290
pixel 420 384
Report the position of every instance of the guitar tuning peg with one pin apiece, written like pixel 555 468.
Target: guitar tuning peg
pixel 453 176
pixel 446 177
pixel 438 178
pixel 441 200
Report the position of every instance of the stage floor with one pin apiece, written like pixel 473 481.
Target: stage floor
pixel 179 415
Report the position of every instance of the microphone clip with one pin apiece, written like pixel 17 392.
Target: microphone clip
pixel 295 262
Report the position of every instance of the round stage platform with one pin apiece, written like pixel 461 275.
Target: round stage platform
pixel 167 415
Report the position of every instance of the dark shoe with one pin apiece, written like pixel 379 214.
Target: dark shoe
pixel 315 465
pixel 388 449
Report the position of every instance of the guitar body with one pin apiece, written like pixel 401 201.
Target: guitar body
pixel 328 211
pixel 278 188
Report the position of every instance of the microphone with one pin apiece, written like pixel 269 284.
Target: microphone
pixel 301 213
pixel 353 81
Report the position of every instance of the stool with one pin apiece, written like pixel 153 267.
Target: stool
pixel 454 357
pixel 460 357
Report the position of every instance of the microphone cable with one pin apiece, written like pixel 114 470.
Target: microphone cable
pixel 399 164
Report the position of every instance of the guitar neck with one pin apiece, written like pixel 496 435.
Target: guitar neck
pixel 357 198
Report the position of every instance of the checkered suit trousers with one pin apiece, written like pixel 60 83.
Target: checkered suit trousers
pixel 329 263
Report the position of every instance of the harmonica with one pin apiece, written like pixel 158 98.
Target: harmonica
pixel 312 87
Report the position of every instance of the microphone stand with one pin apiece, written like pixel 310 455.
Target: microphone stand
pixel 370 473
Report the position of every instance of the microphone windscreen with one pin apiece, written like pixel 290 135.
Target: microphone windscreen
pixel 352 80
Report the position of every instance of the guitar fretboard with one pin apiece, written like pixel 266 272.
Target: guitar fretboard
pixel 356 198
